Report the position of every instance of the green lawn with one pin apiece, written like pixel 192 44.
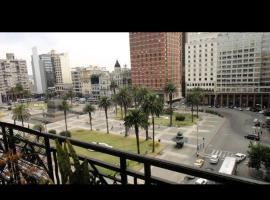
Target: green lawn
pixel 165 120
pixel 118 142
pixel 36 105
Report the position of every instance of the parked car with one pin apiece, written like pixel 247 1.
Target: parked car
pixel 240 157
pixel 199 162
pixel 252 137
pixel 201 181
pixel 248 108
pixel 240 109
pixel 214 159
pixel 261 112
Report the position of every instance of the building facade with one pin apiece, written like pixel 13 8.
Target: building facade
pixel 156 60
pixel 121 76
pixel 243 73
pixel 12 71
pixel 236 68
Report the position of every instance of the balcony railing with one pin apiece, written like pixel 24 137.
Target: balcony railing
pixel 37 151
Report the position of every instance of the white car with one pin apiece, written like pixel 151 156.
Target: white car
pixel 214 159
pixel 248 108
pixel 240 157
pixel 261 112
pixel 201 181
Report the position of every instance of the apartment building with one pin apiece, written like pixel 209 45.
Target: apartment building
pixel 12 71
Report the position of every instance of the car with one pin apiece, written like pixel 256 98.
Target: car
pixel 201 181
pixel 248 109
pixel 199 162
pixel 261 112
pixel 214 159
pixel 240 109
pixel 209 106
pixel 252 137
pixel 240 157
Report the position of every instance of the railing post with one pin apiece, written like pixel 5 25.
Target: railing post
pixel 56 167
pixel 123 168
pixel 49 157
pixel 5 138
pixel 147 173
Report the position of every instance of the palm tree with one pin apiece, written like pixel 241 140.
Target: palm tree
pixel 170 89
pixel 117 99
pixel 137 119
pixel 135 94
pixel 125 98
pixel 142 92
pixel 64 107
pixel 89 109
pixel 154 106
pixel 198 93
pixel 113 86
pixel 20 112
pixel 105 103
pixel 19 89
pixel 70 95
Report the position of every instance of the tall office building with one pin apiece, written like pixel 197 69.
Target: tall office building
pixel 232 68
pixel 201 62
pixel 12 71
pixel 62 69
pixel 38 73
pixel 156 60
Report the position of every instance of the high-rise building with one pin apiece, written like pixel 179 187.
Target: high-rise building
pixel 38 73
pixel 12 71
pixel 232 68
pixel 201 61
pixel 243 71
pixel 156 60
pixel 61 66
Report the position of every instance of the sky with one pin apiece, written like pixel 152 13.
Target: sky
pixel 93 48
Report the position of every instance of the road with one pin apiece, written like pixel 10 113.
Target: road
pixel 230 138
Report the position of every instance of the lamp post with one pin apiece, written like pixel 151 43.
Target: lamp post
pixel 197 139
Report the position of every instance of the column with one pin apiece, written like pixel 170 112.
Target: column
pixel 240 100
pixel 261 101
pixel 221 100
pixel 227 100
pixel 254 100
pixel 268 100
pixel 233 99
pixel 247 101
pixel 210 101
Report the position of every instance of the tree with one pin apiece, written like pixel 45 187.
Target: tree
pixel 19 89
pixel 70 95
pixel 193 98
pixel 153 105
pixel 125 98
pixel 255 155
pixel 142 92
pixel 117 99
pixel 113 86
pixel 20 112
pixel 105 103
pixel 170 89
pixel 64 107
pixel 197 97
pixel 39 127
pixel 135 92
pixel 137 119
pixel 88 108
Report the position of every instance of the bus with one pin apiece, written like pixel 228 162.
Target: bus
pixel 228 166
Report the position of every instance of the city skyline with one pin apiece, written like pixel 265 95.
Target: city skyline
pixel 95 48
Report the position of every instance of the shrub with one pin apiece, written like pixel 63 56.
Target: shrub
pixel 38 127
pixel 167 111
pixel 52 131
pixel 66 134
pixel 179 117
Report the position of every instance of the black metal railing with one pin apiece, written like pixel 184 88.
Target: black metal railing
pixel 37 150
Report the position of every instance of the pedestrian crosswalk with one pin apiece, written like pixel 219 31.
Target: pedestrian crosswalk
pixel 223 154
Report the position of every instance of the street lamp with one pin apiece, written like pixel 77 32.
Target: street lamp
pixel 197 138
